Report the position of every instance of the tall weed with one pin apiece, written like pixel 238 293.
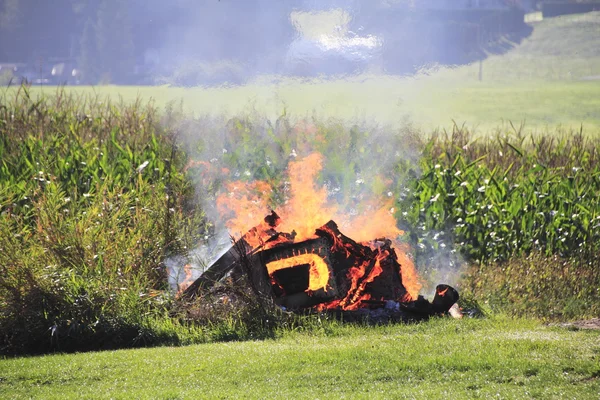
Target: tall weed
pixel 92 200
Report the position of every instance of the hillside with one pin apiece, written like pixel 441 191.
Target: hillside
pixel 561 48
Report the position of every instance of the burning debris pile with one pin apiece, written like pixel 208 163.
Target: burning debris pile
pixel 329 271
pixel 301 259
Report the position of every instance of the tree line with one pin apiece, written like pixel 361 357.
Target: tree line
pixel 107 38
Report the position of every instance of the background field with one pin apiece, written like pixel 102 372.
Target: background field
pixel 551 78
pixel 390 101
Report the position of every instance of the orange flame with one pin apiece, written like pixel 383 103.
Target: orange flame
pixel 355 295
pixel 187 281
pixel 410 277
pixel 245 204
pixel 307 207
pixel 442 292
pixel 318 272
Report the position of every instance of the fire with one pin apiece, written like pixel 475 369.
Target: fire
pixel 264 232
pixel 244 204
pixel 188 279
pixel 410 278
pixel 307 207
pixel 442 292
pixel 318 272
pixel 355 294
pixel 337 243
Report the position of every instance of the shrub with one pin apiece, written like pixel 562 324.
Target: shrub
pixel 507 195
pixel 538 286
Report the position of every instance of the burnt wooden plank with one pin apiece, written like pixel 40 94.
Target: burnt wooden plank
pixel 232 257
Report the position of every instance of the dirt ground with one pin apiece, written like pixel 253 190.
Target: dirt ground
pixel 593 323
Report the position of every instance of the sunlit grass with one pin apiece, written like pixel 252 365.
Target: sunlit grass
pixel 463 358
pixel 565 48
pixel 427 103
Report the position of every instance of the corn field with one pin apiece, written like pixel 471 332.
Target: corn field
pixel 95 196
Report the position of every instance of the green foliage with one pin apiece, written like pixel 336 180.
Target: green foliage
pixel 88 54
pixel 521 209
pixel 86 221
pixel 510 194
pixel 106 44
pixel 114 42
pixel 548 287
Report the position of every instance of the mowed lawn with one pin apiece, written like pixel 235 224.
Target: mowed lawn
pixel 463 359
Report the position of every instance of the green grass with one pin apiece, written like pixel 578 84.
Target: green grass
pixel 84 230
pixel 389 101
pixel 463 358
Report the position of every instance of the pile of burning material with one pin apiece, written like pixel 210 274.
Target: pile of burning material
pixel 303 262
pixel 325 272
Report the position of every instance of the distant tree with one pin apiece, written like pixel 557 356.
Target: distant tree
pixel 34 30
pixel 9 21
pixel 114 41
pixel 106 44
pixel 252 31
pixel 108 36
pixel 9 14
pixel 88 55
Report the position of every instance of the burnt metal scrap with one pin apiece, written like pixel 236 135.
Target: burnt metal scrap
pixel 329 272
